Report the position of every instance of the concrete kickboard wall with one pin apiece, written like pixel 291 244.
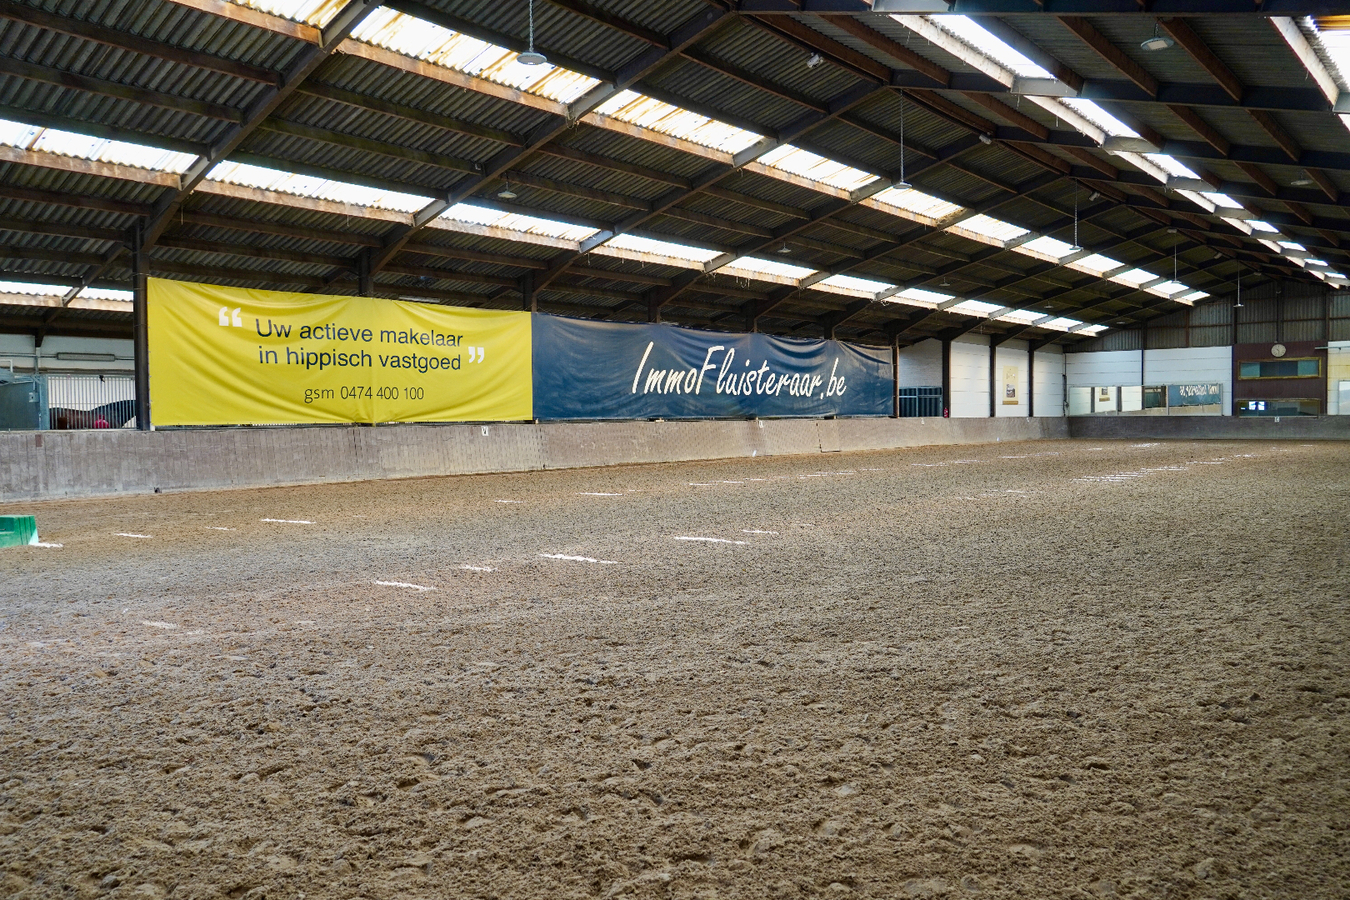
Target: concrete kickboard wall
pixel 60 464
pixel 1224 428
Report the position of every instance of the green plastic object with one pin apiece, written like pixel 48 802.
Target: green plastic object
pixel 15 531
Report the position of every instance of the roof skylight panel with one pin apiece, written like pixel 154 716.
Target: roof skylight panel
pixel 753 265
pixel 1060 324
pixel 982 226
pixel 106 294
pixel 478 215
pixel 817 168
pixel 427 41
pixel 1332 50
pixel 912 204
pixel 975 307
pixel 921 297
pixel 1242 225
pixel 319 188
pixel 1144 164
pixel 1045 247
pixel 1168 288
pixel 1134 277
pixel 1023 316
pixel 852 285
pixel 1261 225
pixel 1056 107
pixel 1335 47
pixel 1096 264
pixel 678 254
pixel 973 34
pixel 1292 245
pixel 34 290
pixel 1219 199
pixel 82 146
pixel 646 112
pixel 1093 329
pixel 17 134
pixel 312 12
pixel 1170 165
pixel 1198 199
pixel 1192 297
pixel 1099 117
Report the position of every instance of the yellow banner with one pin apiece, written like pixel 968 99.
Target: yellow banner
pixel 232 356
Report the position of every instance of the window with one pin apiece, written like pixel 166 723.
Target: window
pixel 1279 407
pixel 1280 368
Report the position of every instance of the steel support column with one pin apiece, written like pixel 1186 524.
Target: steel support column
pixel 993 358
pixel 946 378
pixel 1031 380
pixel 363 279
pixel 895 376
pixel 140 267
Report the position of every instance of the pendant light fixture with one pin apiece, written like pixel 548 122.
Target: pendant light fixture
pixel 1238 304
pixel 902 184
pixel 784 250
pixel 506 193
pixel 1075 248
pixel 1157 42
pixel 530 57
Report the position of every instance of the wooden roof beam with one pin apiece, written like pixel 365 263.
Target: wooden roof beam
pixel 347 18
pixel 1102 46
pixel 144 96
pixel 1203 55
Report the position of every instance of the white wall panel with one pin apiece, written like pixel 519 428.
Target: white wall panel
pixel 1107 367
pixel 1050 381
pixel 970 376
pixel 1186 365
pixel 921 364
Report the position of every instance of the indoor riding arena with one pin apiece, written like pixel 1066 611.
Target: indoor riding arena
pixel 674 449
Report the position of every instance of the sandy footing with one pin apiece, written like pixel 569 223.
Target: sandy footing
pixel 1063 669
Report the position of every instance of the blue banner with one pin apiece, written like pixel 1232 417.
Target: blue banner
pixel 610 370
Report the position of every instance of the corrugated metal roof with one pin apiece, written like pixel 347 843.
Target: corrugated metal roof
pixel 773 66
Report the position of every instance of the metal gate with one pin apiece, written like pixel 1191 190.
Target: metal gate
pixel 920 402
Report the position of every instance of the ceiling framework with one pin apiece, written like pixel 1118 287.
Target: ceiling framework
pixel 754 190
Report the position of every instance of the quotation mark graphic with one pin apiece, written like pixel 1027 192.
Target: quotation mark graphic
pixel 480 350
pixel 227 318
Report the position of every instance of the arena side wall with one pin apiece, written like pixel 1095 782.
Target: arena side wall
pixel 1222 428
pixel 66 464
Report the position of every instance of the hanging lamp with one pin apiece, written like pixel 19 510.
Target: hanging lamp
pixel 902 184
pixel 530 57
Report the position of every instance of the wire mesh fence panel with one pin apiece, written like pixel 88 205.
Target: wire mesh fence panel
pixel 91 401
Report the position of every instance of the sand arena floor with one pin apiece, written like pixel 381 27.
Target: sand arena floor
pixel 1068 669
